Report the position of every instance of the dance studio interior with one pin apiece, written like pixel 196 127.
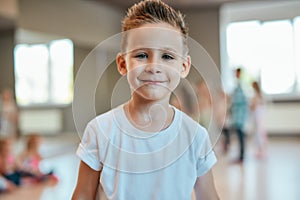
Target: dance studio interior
pixel 58 71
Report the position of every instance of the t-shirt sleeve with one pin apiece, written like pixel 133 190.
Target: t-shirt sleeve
pixel 206 155
pixel 88 149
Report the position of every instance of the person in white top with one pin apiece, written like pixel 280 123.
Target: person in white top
pixel 258 109
pixel 146 148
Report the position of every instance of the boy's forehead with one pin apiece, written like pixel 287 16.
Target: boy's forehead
pixel 154 37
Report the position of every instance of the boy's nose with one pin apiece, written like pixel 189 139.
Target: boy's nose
pixel 153 65
pixel 153 68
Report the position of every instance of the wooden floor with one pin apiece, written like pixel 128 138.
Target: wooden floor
pixel 277 177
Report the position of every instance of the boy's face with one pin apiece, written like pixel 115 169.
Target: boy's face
pixel 154 60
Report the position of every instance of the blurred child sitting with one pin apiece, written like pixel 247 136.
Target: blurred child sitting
pixel 6 185
pixel 8 164
pixel 30 160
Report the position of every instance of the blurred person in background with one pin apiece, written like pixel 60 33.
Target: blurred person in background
pixel 31 158
pixel 25 170
pixel 258 109
pixel 8 162
pixel 239 113
pixel 9 115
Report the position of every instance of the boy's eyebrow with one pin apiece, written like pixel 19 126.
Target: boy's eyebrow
pixel 163 48
pixel 169 49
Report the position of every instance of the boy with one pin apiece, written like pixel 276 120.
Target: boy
pixel 145 148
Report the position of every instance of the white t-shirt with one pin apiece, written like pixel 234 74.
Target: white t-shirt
pixel 141 165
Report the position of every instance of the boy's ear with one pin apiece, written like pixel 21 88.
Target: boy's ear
pixel 186 66
pixel 121 63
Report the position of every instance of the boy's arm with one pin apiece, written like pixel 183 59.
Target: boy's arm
pixel 205 187
pixel 87 183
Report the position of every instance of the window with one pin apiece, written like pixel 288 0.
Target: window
pixel 277 67
pixel 44 73
pixel 268 51
pixel 242 41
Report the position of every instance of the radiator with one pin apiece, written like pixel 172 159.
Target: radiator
pixel 40 121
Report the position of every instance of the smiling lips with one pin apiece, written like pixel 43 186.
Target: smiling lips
pixel 149 81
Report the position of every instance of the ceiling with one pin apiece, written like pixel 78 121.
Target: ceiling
pixel 179 4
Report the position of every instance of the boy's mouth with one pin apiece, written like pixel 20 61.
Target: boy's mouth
pixel 150 81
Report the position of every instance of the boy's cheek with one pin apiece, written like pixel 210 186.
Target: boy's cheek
pixel 132 78
pixel 133 69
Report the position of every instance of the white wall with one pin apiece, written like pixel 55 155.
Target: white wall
pixel 85 22
pixel 255 10
pixel 283 118
pixel 41 121
pixel 204 28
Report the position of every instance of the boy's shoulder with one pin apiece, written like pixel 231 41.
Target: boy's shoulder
pixel 106 117
pixel 186 118
pixel 189 124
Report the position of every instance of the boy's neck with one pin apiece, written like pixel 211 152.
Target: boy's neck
pixel 150 116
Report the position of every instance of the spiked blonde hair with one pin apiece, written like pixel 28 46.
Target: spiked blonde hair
pixel 150 12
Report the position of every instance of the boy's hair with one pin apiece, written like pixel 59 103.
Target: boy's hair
pixel 150 12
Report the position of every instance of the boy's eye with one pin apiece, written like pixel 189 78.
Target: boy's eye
pixel 167 57
pixel 141 56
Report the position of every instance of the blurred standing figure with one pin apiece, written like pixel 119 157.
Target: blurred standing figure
pixel 258 109
pixel 9 115
pixel 239 111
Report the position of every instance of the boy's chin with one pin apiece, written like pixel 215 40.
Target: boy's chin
pixel 152 95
